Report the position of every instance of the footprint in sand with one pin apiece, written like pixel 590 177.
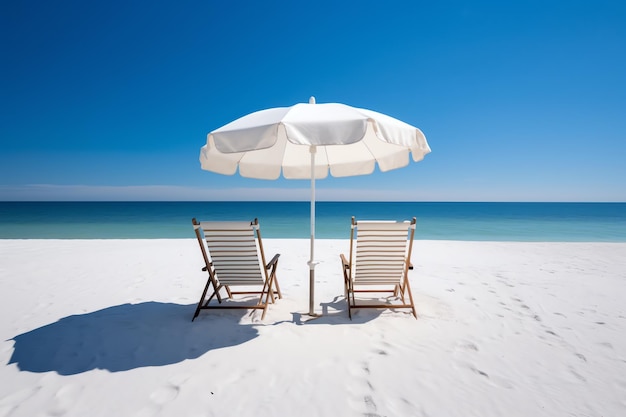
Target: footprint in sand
pixel 493 379
pixel 65 398
pixel 8 403
pixel 606 345
pixel 478 371
pixel 362 390
pixel 466 346
pixel 370 406
pixel 577 375
pixel 382 348
pixel 165 394
pixel 159 397
pixel 470 346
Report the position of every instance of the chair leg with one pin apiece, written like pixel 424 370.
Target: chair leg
pixel 270 289
pixel 269 295
pixel 206 288
pixel 397 292
pixel 230 295
pixel 280 295
pixel 402 291
pixel 215 293
pixel 353 303
pixel 408 289
pixel 265 291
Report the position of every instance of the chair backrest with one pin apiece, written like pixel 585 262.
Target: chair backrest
pixel 383 251
pixel 235 251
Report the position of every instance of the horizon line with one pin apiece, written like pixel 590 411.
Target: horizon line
pixel 322 201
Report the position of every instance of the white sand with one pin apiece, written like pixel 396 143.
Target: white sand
pixel 103 328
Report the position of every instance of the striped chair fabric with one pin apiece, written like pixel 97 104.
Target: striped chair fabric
pixel 381 250
pixel 234 253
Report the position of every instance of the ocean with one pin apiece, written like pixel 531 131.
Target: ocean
pixel 524 222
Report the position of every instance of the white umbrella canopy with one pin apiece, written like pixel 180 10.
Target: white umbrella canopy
pixel 349 141
pixel 309 138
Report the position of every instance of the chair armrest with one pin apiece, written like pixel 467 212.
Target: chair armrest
pixel 273 262
pixel 344 262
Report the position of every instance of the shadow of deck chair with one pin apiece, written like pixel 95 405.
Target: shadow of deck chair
pixel 234 258
pixel 379 261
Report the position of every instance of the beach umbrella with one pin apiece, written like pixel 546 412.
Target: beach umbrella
pixel 309 141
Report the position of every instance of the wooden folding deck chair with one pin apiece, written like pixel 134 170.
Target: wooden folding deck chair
pixel 379 262
pixel 234 257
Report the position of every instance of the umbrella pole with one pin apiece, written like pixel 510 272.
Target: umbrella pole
pixel 312 262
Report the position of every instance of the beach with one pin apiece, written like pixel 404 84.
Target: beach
pixel 103 327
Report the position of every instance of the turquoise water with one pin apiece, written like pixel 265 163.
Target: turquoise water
pixel 592 222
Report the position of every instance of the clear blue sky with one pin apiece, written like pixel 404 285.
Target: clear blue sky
pixel 112 100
